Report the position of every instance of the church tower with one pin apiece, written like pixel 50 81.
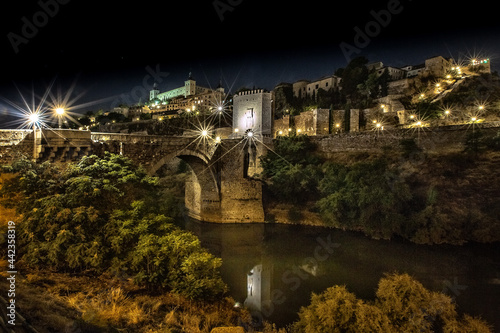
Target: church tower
pixel 154 93
pixel 189 86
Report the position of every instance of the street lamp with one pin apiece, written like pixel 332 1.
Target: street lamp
pixel 34 118
pixel 60 113
pixel 419 124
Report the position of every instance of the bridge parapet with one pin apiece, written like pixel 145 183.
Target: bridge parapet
pixel 123 137
pixel 13 137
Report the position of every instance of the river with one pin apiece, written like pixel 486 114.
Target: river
pixel 273 268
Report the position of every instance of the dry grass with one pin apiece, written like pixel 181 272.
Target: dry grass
pixel 62 303
pixel 6 214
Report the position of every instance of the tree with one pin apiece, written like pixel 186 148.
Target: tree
pixel 353 75
pixel 383 82
pixel 370 87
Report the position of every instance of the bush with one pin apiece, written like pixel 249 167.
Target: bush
pixel 409 147
pixel 475 142
pixel 71 223
pixel 402 305
pixel 292 170
pixel 366 196
pixel 494 142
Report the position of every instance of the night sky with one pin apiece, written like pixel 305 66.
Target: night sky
pixel 113 49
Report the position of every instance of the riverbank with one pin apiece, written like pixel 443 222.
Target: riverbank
pixel 427 198
pixel 63 302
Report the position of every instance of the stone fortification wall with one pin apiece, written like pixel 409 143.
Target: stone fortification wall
pixel 441 139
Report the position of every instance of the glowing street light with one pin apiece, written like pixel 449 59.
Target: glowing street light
pixel 34 118
pixel 204 133
pixel 60 113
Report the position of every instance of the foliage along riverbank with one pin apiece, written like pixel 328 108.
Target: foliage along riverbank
pixel 98 239
pixel 403 191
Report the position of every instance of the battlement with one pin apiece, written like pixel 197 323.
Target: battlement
pixel 251 92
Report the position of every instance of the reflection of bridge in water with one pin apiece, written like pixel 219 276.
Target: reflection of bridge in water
pixel 273 268
pixel 220 188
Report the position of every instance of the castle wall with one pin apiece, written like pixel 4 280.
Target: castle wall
pixel 439 140
pixel 313 122
pixel 282 126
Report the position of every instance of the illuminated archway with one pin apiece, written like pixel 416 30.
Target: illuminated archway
pixel 202 193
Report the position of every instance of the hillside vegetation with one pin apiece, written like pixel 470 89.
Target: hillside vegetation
pixel 400 192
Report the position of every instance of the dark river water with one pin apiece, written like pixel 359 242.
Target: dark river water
pixel 273 269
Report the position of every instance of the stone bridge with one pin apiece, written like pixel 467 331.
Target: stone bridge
pixel 220 189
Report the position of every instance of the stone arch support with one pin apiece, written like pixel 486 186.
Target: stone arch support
pixel 202 197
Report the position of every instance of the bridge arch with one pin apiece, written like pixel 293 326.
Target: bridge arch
pixel 202 190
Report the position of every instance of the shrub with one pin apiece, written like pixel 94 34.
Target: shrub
pixel 292 170
pixel 366 196
pixel 71 223
pixel 402 305
pixel 409 147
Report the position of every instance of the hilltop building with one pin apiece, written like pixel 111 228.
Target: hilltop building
pixel 190 88
pixel 306 88
pixel 403 81
pixel 394 72
pixel 435 66
pixel 188 98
